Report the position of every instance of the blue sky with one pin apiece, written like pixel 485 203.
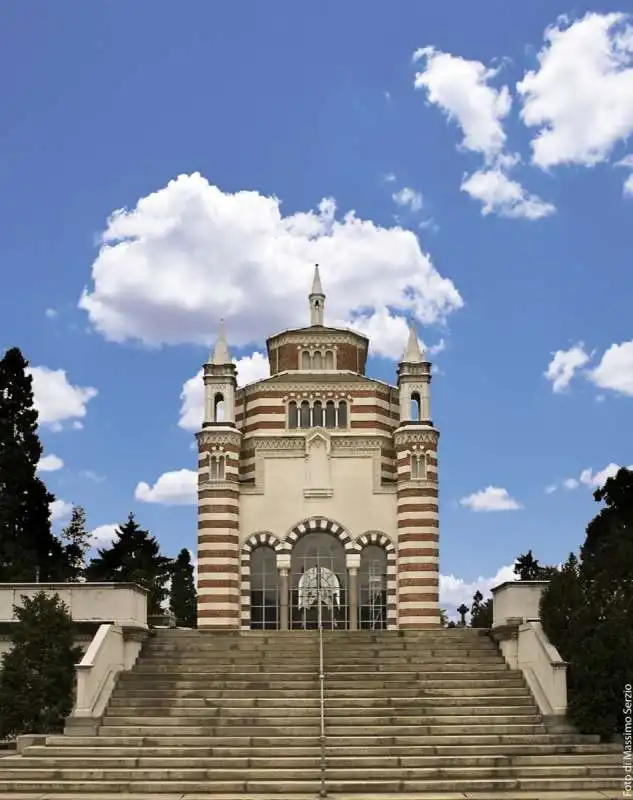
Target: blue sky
pixel 482 149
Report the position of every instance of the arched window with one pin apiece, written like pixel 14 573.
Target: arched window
pixel 317 413
pixel 305 414
pixel 216 467
pixel 416 407
pixel 293 415
pixel 218 407
pixel 342 414
pixel 418 466
pixel 329 360
pixel 305 360
pixel 317 360
pixel 330 414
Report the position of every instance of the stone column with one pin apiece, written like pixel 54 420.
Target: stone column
pixel 352 562
pixel 283 567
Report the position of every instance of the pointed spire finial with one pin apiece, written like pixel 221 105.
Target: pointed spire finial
pixel 412 353
pixel 316 281
pixel 221 353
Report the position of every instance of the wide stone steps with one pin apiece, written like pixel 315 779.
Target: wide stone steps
pixel 237 717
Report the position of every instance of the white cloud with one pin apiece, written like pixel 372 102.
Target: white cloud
pixel 51 313
pixel 91 475
pixel 564 365
pixel 171 489
pixel 615 370
pixel 249 369
pixel 627 161
pixel 501 195
pixel 390 177
pixel 461 89
pixel 60 509
pixel 597 480
pixel 103 535
pixel 57 400
pixel 581 95
pixel 50 463
pixel 408 198
pixel 190 253
pixel 492 498
pixel 550 489
pixel 570 483
pixel 455 591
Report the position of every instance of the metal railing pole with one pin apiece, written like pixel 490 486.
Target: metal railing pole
pixel 323 790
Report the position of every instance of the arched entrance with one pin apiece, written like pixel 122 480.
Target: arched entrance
pixel 318 583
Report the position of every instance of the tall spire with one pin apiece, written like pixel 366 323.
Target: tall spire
pixel 412 354
pixel 221 353
pixel 316 299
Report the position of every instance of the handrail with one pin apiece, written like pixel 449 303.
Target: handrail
pixel 323 789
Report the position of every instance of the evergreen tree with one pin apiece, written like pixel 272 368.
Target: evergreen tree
pixel 480 612
pixel 76 541
pixel 182 599
pixel 134 557
pixel 37 676
pixel 527 568
pixel 587 611
pixel 28 549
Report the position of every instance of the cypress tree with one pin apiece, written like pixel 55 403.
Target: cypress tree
pixel 182 599
pixel 28 549
pixel 76 544
pixel 134 557
pixel 37 676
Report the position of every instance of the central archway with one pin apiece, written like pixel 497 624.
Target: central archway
pixel 318 583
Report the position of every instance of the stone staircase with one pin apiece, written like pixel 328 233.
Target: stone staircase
pixel 429 713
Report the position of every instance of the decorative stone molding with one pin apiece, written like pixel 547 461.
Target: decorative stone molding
pixel 232 436
pixel 308 338
pixel 414 435
pixel 262 539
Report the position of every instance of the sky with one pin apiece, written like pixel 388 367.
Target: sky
pixel 465 166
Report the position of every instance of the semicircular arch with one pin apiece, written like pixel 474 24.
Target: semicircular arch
pixel 319 524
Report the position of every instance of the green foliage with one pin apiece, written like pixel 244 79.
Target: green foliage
pixel 480 612
pixel 77 543
pixel 28 549
pixel 182 598
pixel 37 676
pixel 443 617
pixel 587 612
pixel 134 557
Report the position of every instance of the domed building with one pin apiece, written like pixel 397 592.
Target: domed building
pixel 318 488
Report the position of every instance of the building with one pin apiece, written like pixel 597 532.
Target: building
pixel 318 482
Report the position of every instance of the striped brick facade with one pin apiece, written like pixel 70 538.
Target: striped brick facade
pixel 418 529
pixel 219 585
pixel 321 438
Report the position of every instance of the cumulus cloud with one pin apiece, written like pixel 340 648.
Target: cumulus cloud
pixel 615 370
pixel 189 253
pixel 596 480
pixel 564 365
pixel 56 399
pixel 103 535
pixel 50 463
pixel 501 195
pixel 176 488
pixel 60 509
pixel 455 591
pixel 581 96
pixel 408 198
pixel 249 369
pixel 462 90
pixel 492 498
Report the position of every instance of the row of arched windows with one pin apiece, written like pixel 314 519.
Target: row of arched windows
pixel 312 415
pixel 317 360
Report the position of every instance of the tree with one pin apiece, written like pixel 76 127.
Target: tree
pixel 134 557
pixel 182 599
pixel 587 612
pixel 28 548
pixel 37 676
pixel 76 544
pixel 527 568
pixel 481 613
pixel 443 617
